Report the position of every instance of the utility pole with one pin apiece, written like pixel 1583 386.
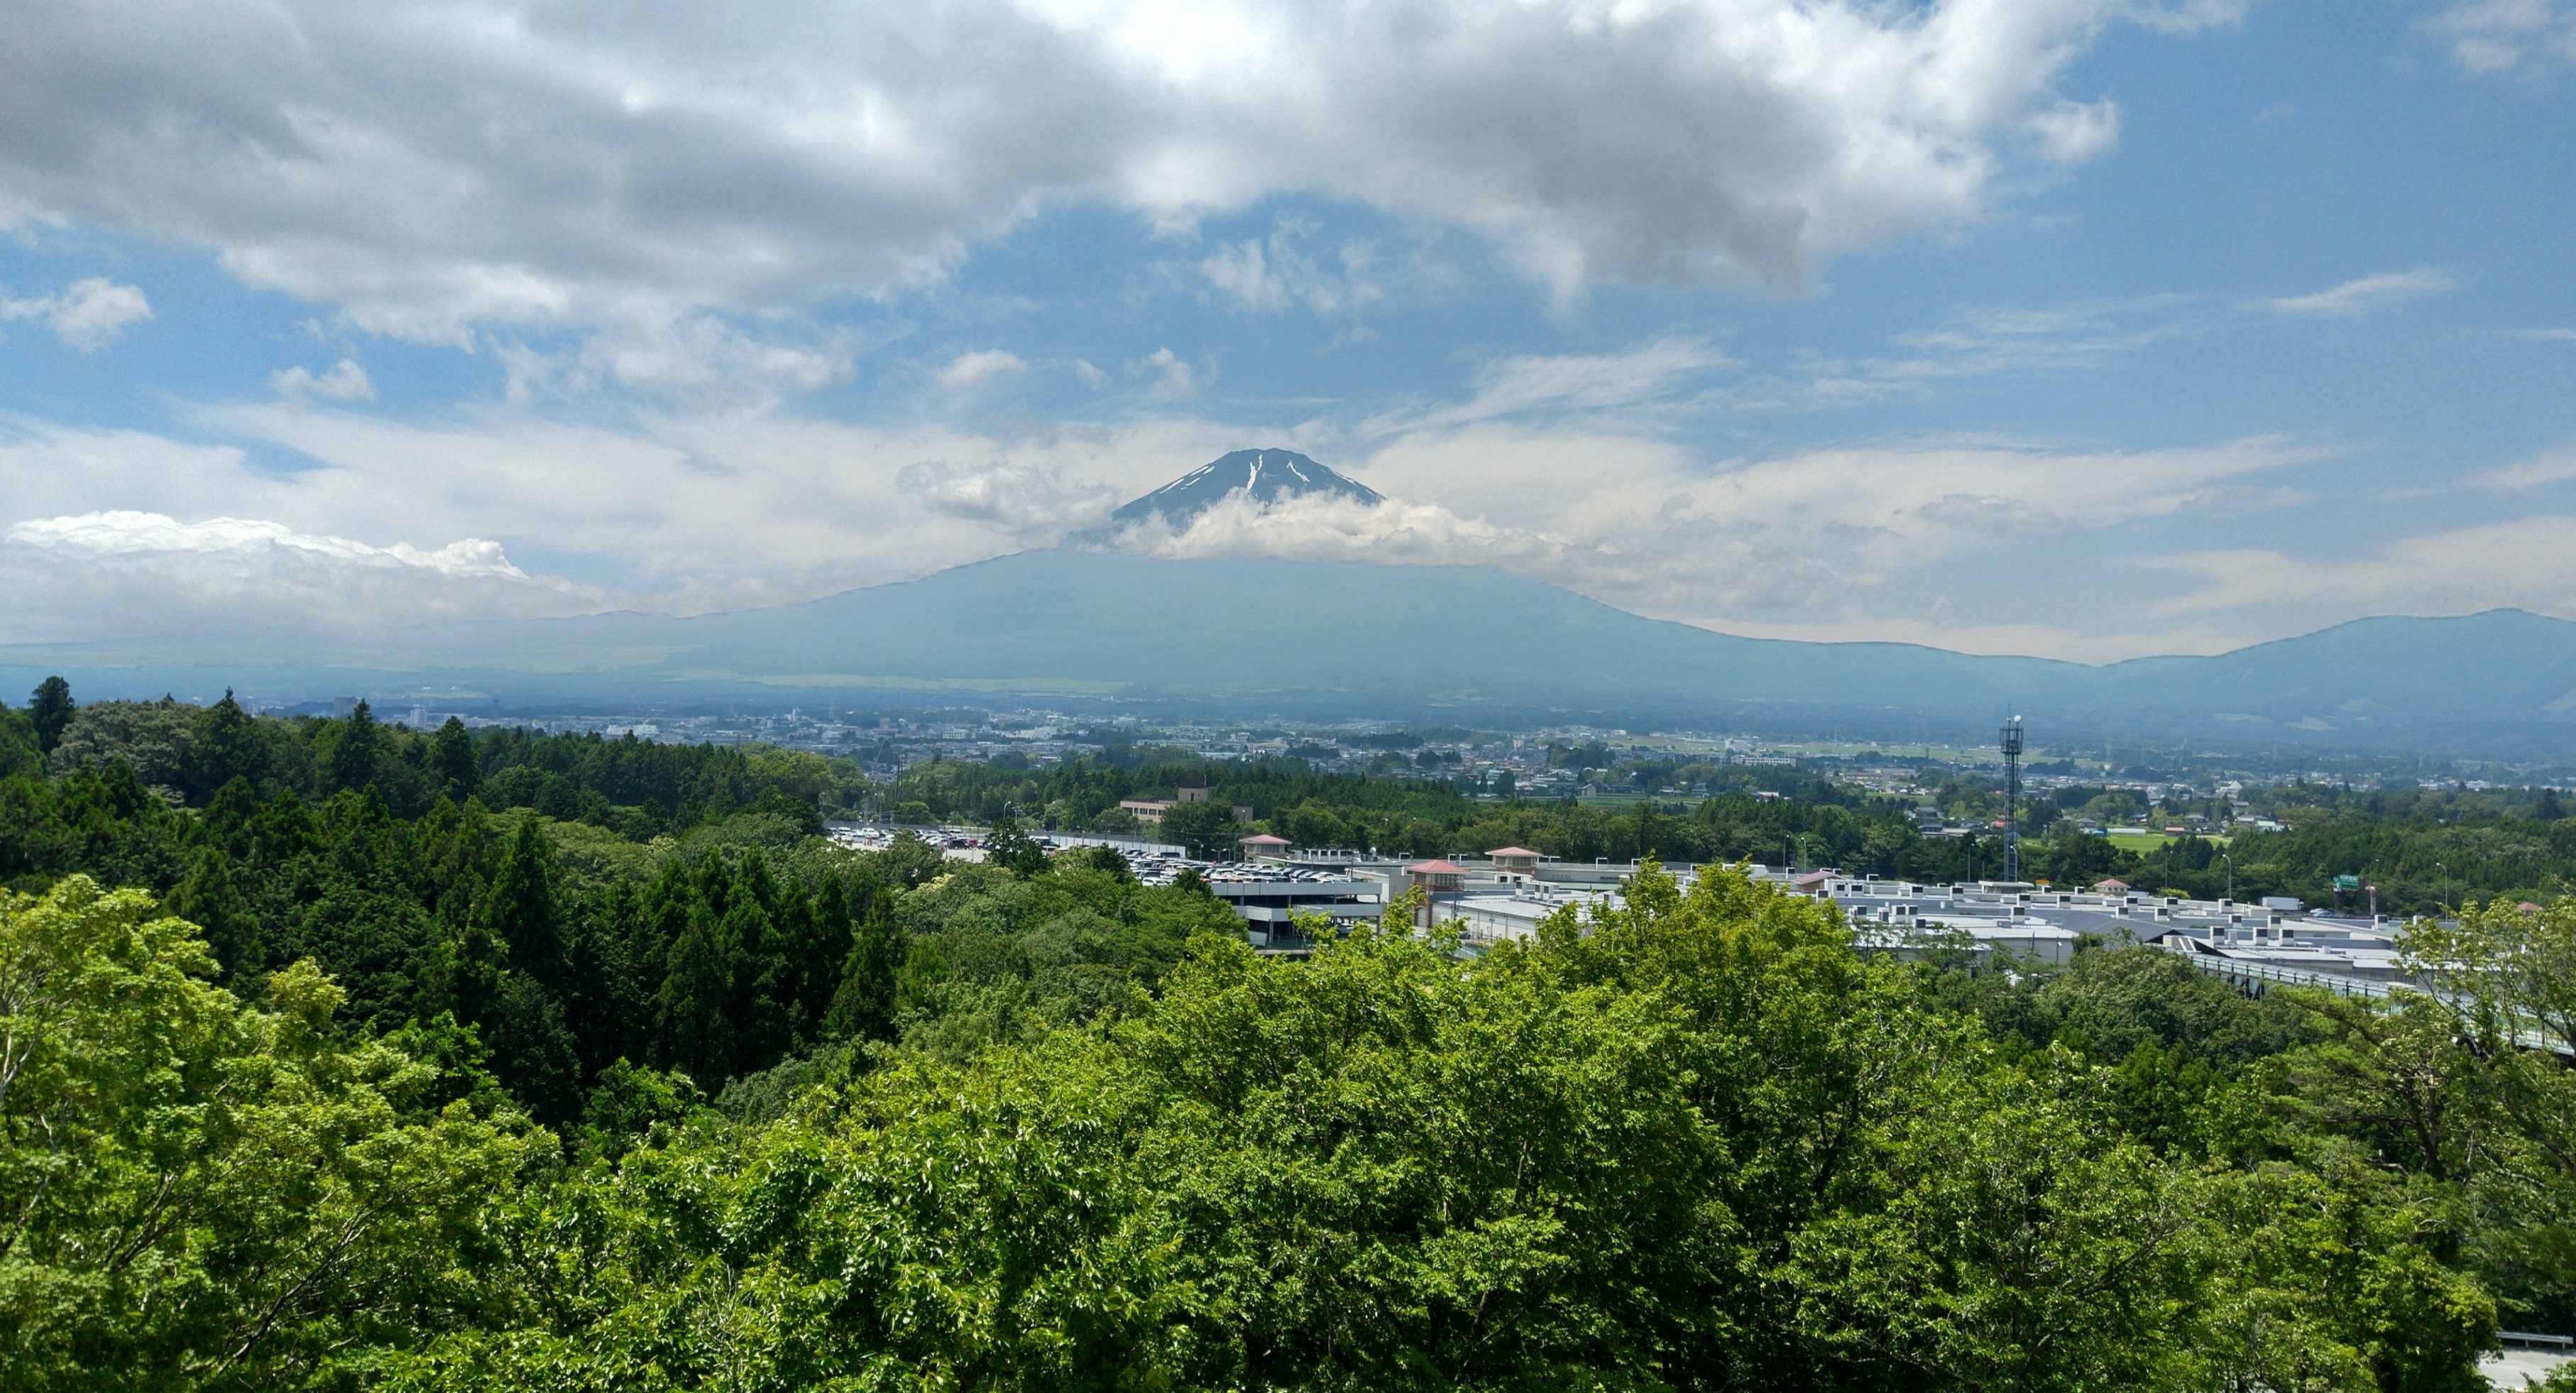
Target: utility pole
pixel 2011 740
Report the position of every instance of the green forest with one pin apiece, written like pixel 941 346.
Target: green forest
pixel 338 1055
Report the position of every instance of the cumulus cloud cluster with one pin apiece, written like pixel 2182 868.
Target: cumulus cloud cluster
pixel 345 380
pixel 87 315
pixel 1770 543
pixel 427 166
pixel 1028 502
pixel 321 511
pixel 125 575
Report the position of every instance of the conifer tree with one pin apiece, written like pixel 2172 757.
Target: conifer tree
pixel 695 1005
pixel 209 899
pixel 353 758
pixel 863 1006
pixel 228 745
pixel 823 953
pixel 51 708
pixel 520 908
pixel 761 990
pixel 451 760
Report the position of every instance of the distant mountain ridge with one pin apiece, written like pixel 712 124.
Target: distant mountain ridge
pixel 1264 476
pixel 1348 638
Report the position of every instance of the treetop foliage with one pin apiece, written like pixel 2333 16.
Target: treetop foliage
pixel 375 1073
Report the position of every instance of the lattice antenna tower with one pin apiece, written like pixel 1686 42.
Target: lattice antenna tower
pixel 2010 738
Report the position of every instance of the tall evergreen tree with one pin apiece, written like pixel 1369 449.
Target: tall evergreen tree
pixel 51 709
pixel 227 745
pixel 822 953
pixel 520 909
pixel 353 755
pixel 762 988
pixel 451 761
pixel 695 1005
pixel 210 899
pixel 863 1004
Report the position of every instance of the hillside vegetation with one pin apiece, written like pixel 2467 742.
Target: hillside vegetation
pixel 329 1075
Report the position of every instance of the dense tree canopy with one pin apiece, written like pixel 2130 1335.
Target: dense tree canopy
pixel 361 1080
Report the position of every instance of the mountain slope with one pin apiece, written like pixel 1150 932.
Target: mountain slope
pixel 1350 638
pixel 2504 665
pixel 1304 629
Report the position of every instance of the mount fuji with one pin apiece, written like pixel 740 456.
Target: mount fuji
pixel 1365 638
pixel 1264 476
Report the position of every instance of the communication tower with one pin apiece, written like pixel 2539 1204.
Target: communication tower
pixel 2011 740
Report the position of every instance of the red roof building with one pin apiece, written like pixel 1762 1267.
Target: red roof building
pixel 1438 877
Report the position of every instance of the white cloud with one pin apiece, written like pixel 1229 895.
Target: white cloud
pixel 1173 375
pixel 2366 293
pixel 2073 132
pixel 1090 373
pixel 1630 380
pixel 428 167
pixel 219 581
pixel 131 533
pixel 722 510
pixel 2526 563
pixel 1795 539
pixel 2555 466
pixel 87 315
pixel 704 359
pixel 973 369
pixel 342 381
pixel 1978 342
pixel 2525 37
pixel 679 512
pixel 1273 273
pixel 1031 502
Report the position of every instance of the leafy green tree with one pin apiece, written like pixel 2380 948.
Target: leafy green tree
pixel 202 1194
pixel 2506 1009
pixel 50 708
pixel 2323 1279
pixel 816 938
pixel 630 1105
pixel 1010 846
pixel 154 739
pixel 1208 830
pixel 19 753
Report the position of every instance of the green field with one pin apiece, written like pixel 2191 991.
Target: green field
pixel 2143 842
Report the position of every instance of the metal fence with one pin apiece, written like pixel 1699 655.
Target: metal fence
pixel 2253 978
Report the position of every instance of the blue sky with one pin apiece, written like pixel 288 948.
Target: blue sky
pixel 2079 327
